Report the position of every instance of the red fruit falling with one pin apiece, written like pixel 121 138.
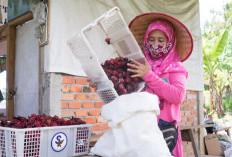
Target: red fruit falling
pixel 116 70
pixel 107 40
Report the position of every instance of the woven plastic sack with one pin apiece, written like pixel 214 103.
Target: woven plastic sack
pixel 134 131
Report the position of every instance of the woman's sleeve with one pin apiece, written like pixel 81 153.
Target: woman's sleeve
pixel 173 91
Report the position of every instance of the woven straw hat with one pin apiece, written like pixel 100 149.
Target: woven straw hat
pixel 184 40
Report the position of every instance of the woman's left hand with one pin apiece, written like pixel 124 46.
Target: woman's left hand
pixel 138 68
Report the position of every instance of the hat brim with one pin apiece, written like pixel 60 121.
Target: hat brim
pixel 184 40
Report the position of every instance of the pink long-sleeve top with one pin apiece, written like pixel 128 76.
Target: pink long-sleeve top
pixel 170 88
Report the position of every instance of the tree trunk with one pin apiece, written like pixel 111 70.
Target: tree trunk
pixel 211 93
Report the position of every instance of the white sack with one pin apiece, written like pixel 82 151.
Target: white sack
pixel 134 133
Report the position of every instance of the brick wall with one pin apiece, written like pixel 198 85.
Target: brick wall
pixel 79 100
pixel 189 117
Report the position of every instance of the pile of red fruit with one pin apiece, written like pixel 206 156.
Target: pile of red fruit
pixel 34 121
pixel 116 70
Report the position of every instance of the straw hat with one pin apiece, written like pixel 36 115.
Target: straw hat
pixel 184 40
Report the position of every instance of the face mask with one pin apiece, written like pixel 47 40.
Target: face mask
pixel 157 52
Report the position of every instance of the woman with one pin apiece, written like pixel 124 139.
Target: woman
pixel 166 43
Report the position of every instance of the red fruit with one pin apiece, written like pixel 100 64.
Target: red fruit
pixel 115 73
pixel 123 73
pixel 109 71
pixel 128 80
pixel 55 118
pixel 118 64
pixel 107 40
pixel 38 124
pixel 121 80
pixel 116 70
pixel 114 79
pixel 129 88
pixel 48 122
pixel 54 124
pixel 112 61
pixel 122 89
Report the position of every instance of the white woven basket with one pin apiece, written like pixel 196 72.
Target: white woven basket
pixel 57 141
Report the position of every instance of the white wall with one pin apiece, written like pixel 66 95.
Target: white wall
pixel 26 70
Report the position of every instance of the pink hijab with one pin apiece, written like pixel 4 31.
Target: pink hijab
pixel 171 62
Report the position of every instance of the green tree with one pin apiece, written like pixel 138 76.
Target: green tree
pixel 221 78
pixel 212 64
pixel 2 63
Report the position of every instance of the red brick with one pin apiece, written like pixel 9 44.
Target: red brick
pixel 187 113
pixel 81 113
pixel 90 120
pixel 193 102
pixel 193 92
pixel 190 119
pixel 182 113
pixel 65 88
pixel 64 105
pixel 101 120
pixel 68 80
pixel 94 112
pixel 81 81
pixel 96 127
pixel 186 102
pixel 184 119
pixel 183 108
pixel 194 112
pixel 99 104
pixel 94 97
pixel 181 125
pixel 190 154
pixel 67 113
pixel 93 90
pixel 105 127
pixel 195 123
pixel 190 107
pixel 101 133
pixel 185 154
pixel 188 124
pixel 184 143
pixel 74 105
pixel 80 97
pixel 76 89
pixel 87 105
pixel 67 97
pixel 188 147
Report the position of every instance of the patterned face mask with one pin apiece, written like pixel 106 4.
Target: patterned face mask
pixel 156 52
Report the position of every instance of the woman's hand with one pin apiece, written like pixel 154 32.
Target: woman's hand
pixel 138 68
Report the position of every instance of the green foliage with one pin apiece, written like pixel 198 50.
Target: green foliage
pixel 206 86
pixel 207 107
pixel 211 53
pixel 227 103
pixel 217 50
pixel 2 60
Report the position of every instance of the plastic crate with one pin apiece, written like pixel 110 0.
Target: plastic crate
pixel 57 141
pixel 90 47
